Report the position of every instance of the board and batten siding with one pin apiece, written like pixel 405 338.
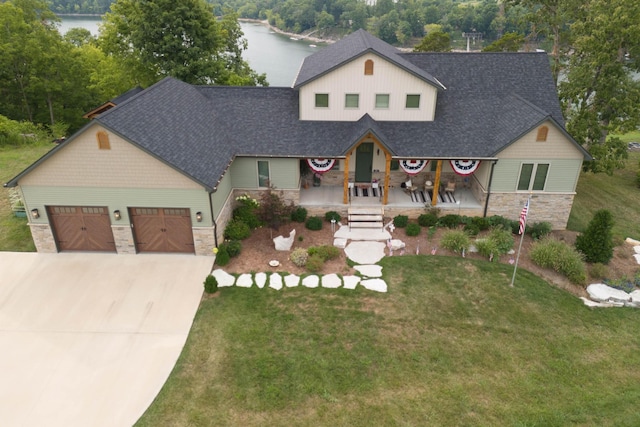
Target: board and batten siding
pixel 123 165
pixel 284 173
pixel 562 176
pixel 116 199
pixel 557 146
pixel 387 78
pixel 222 193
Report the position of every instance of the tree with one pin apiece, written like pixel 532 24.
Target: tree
pixel 510 42
pixel 182 39
pixel 596 243
pixel 435 41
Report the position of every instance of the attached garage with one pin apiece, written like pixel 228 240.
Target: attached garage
pixel 162 230
pixel 81 228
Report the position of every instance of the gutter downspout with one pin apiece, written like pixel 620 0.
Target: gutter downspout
pixel 215 225
pixel 486 202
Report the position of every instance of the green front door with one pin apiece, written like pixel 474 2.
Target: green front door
pixel 364 162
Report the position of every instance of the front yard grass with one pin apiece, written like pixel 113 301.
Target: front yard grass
pixel 450 344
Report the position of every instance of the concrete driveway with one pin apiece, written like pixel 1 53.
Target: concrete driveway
pixel 89 339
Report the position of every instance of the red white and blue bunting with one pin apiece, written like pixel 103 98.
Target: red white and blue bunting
pixel 413 167
pixel 464 167
pixel 321 165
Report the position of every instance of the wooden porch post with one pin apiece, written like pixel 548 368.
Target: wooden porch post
pixel 436 184
pixel 387 174
pixel 345 181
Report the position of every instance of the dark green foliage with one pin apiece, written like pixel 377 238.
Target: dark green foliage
pixel 222 257
pixel 247 214
pixel 233 247
pixel 481 222
pixel 325 252
pixel 400 221
pixel 273 210
pixel 450 221
pixel 596 243
pixel 471 229
pixel 498 220
pixel 559 256
pixel 314 223
pixel 503 239
pixel 210 284
pixel 299 214
pixel 413 229
pixel 314 263
pixel 428 220
pixel 332 215
pixel 237 230
pixel 455 240
pixel 538 230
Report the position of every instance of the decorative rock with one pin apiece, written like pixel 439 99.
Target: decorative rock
pixel 284 243
pixel 603 293
pixel 291 281
pixel 311 281
pixel 275 281
pixel 635 296
pixel 590 303
pixel 397 244
pixel 224 279
pixel 637 257
pixel 369 270
pixel 261 279
pixel 511 252
pixel 340 243
pixel 244 280
pixel 473 249
pixel 350 282
pixel 331 281
pixel 633 242
pixel 365 252
pixel 636 249
pixel 377 285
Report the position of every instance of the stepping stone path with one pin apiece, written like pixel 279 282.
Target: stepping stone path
pixel 331 281
pixel 350 282
pixel 365 252
pixel 369 270
pixel 311 281
pixel 244 281
pixel 377 285
pixel 261 279
pixel 291 281
pixel 275 281
pixel 224 279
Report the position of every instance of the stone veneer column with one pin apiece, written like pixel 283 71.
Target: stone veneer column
pixel 43 238
pixel 553 208
pixel 204 241
pixel 123 236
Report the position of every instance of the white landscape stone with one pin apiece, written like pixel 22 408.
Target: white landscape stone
pixel 311 281
pixel 603 293
pixel 291 280
pixel 284 243
pixel 275 281
pixel 369 270
pixel 365 252
pixel 244 280
pixel 331 281
pixel 637 257
pixel 633 242
pixel 590 303
pixel 636 249
pixel 377 285
pixel 397 244
pixel 224 279
pixel 350 282
pixel 261 279
pixel 635 296
pixel 340 243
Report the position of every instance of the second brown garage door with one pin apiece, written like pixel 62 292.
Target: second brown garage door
pixel 162 229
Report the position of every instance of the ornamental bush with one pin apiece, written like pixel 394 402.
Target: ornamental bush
pixel 210 284
pixel 237 230
pixel 332 215
pixel 222 257
pixel 233 247
pixel 325 252
pixel 596 243
pixel 400 221
pixel 428 220
pixel 538 230
pixel 455 240
pixel 247 214
pixel 413 229
pixel 314 263
pixel 502 238
pixel 299 257
pixel 299 214
pixel 559 256
pixel 449 221
pixel 314 223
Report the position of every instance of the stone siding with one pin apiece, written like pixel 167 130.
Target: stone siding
pixel 204 241
pixel 552 208
pixel 43 238
pixel 123 236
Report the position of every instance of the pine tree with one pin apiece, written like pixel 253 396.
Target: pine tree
pixel 596 243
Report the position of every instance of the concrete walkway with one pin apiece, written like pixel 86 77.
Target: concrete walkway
pixel 89 339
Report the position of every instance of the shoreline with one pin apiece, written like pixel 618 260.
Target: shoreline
pixel 284 33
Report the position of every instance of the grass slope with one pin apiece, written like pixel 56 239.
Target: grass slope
pixel 450 344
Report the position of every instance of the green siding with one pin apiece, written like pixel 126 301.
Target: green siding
pixel 118 198
pixel 285 173
pixel 563 174
pixel 221 195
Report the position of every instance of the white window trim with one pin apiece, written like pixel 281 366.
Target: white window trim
pixel 532 178
pixel 315 104
pixel 419 95
pixel 345 101
pixel 375 101
pixel 258 172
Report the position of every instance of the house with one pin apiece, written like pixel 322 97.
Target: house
pixel 470 133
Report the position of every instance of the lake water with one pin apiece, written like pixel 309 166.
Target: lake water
pixel 274 54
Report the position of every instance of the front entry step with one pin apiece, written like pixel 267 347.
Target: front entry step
pixel 366 218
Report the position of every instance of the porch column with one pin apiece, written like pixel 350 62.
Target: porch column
pixel 345 181
pixel 436 184
pixel 387 173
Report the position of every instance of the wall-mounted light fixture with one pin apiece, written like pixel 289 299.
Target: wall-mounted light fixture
pixel 199 216
pixel 116 215
pixel 378 151
pixel 35 214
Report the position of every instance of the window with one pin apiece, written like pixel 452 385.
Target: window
pixel 395 165
pixel 351 100
pixel 103 140
pixel 368 67
pixel 538 172
pixel 382 101
pixel 413 101
pixel 322 100
pixel 542 134
pixel 263 173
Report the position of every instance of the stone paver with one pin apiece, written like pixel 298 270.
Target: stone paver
pixel 331 281
pixel 365 252
pixel 377 285
pixel 340 243
pixel 261 279
pixel 224 279
pixel 311 281
pixel 291 280
pixel 244 280
pixel 275 281
pixel 369 270
pixel 350 282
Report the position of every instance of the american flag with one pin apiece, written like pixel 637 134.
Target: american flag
pixel 523 217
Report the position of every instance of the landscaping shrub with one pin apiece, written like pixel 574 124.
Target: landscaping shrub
pixel 413 229
pixel 455 240
pixel 332 215
pixel 428 220
pixel 299 257
pixel 449 221
pixel 314 263
pixel 486 247
pixel 596 243
pixel 559 256
pixel 247 214
pixel 502 238
pixel 234 247
pixel 222 257
pixel 538 230
pixel 400 221
pixel 314 223
pixel 325 252
pixel 471 229
pixel 482 223
pixel 237 230
pixel 210 284
pixel 273 210
pixel 598 271
pixel 299 214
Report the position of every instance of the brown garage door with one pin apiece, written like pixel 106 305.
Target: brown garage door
pixel 162 229
pixel 82 228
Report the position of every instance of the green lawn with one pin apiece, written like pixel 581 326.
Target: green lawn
pixel 450 344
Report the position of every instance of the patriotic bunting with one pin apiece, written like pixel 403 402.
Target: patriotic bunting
pixel 321 165
pixel 464 167
pixel 413 167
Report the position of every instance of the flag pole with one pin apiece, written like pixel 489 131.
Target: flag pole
pixel 523 224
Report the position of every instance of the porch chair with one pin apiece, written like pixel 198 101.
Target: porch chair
pixel 408 186
pixel 451 187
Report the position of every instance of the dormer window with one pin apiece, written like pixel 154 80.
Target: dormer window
pixel 351 100
pixel 368 67
pixel 382 100
pixel 322 100
pixel 103 140
pixel 543 131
